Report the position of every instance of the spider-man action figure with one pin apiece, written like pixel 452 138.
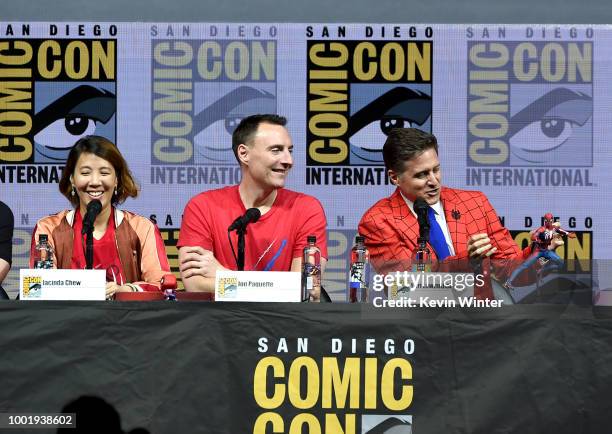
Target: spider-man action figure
pixel 544 242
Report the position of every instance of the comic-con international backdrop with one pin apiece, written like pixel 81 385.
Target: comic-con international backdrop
pixel 521 113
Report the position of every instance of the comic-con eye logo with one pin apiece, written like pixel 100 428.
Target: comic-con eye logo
pixel 552 130
pixel 530 104
pixel 78 112
pixel 385 424
pixel 55 91
pixel 358 91
pixel 201 90
pixel 400 107
pixel 214 124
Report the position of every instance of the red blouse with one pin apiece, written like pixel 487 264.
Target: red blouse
pixel 106 256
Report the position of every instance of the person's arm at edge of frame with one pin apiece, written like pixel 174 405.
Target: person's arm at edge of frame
pixel 5 267
pixel 6 239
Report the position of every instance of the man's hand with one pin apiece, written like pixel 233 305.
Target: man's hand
pixel 479 246
pixel 196 261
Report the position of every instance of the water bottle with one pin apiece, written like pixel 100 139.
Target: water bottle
pixel 44 253
pixel 421 258
pixel 359 272
pixel 311 269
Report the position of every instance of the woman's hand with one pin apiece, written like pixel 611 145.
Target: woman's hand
pixel 112 288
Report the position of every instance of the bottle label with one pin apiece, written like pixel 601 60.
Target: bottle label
pixel 44 256
pixel 357 284
pixel 311 269
pixel 309 282
pixel 421 261
pixel 45 264
pixel 356 275
pixel 311 279
pixel 416 267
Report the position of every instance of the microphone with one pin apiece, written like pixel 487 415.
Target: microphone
pixel 93 209
pixel 421 209
pixel 250 216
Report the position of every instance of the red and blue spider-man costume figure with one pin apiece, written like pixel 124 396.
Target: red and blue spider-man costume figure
pixel 543 247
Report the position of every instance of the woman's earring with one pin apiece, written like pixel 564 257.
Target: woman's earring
pixel 115 191
pixel 73 192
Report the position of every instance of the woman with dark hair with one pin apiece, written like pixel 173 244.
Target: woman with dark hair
pixel 128 246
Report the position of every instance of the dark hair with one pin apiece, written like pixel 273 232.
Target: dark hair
pixel 105 149
pixel 404 144
pixel 246 129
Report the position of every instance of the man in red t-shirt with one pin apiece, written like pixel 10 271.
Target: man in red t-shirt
pixel 263 148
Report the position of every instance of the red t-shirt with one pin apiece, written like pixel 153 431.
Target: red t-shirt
pixel 106 256
pixel 271 243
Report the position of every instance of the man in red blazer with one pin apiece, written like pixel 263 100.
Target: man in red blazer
pixel 467 224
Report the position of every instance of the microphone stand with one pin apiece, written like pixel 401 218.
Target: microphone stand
pixel 421 257
pixel 241 231
pixel 239 225
pixel 93 210
pixel 89 248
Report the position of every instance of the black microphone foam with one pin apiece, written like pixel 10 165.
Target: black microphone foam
pixel 94 206
pixel 421 209
pixel 250 216
pixel 93 209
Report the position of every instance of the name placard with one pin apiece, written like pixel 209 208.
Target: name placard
pixel 264 286
pixel 43 284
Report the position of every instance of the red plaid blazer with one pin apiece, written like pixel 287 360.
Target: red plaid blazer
pixel 391 230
